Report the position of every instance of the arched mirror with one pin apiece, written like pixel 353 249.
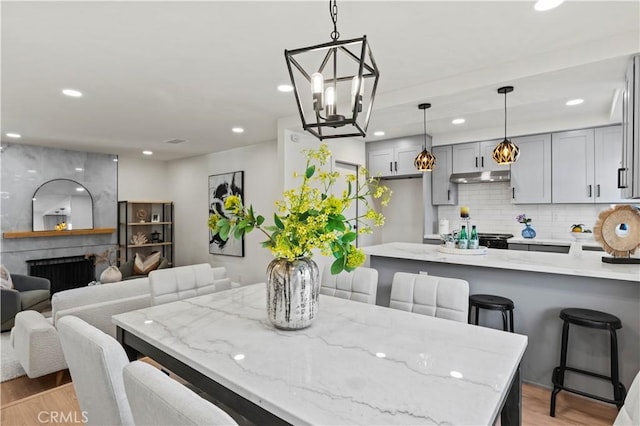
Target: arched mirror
pixel 62 204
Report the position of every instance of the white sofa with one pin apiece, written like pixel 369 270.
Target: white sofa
pixel 35 338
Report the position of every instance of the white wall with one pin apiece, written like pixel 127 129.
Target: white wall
pixel 187 183
pixel 142 180
pixel 491 210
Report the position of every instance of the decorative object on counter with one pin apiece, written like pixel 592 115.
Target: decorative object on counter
pixel 62 226
pixel 453 250
pixel 474 241
pixel 464 212
pixel 443 226
pixel 580 232
pixel 425 161
pixel 463 239
pixel 138 239
pixel 308 218
pixel 506 152
pixel 330 84
pixel 528 231
pixel 618 232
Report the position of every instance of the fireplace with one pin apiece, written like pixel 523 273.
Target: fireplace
pixel 64 272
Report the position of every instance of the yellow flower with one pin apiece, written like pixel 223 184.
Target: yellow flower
pixel 355 257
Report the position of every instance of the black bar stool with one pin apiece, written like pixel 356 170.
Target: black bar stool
pixel 493 303
pixel 591 319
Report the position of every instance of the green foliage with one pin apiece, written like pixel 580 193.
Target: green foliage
pixel 311 216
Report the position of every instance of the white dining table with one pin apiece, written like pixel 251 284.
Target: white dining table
pixel 356 364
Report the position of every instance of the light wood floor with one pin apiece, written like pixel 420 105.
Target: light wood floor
pixel 26 402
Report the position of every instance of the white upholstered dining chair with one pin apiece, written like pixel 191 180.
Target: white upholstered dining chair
pixel 157 399
pixel 182 282
pixel 95 361
pixel 629 414
pixel 439 297
pixel 360 285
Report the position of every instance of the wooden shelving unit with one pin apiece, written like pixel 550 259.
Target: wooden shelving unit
pixel 152 219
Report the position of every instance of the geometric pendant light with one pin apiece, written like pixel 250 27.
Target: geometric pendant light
pixel 425 161
pixel 506 152
pixel 330 84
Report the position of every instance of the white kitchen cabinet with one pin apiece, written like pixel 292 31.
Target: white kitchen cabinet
pixel 531 174
pixel 585 165
pixel 393 158
pixel 608 159
pixel 443 192
pixel 475 157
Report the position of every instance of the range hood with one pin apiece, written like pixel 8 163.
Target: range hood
pixel 481 177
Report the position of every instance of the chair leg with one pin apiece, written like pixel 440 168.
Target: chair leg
pixel 563 352
pixel 618 388
pixel 552 410
pixel 477 314
pixel 505 327
pixel 513 330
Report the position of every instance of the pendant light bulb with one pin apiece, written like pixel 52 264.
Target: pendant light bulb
pixel 317 89
pixel 425 161
pixel 506 152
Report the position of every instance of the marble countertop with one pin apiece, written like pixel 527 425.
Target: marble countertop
pixel 587 264
pixel 356 364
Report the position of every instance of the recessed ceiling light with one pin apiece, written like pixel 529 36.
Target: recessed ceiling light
pixel 285 88
pixel 13 135
pixel 573 102
pixel 115 160
pixel 378 133
pixel 31 171
pixel 147 152
pixel 79 189
pixel 79 169
pixel 544 5
pixel 72 92
pixel 237 130
pixel 456 374
pixel 458 120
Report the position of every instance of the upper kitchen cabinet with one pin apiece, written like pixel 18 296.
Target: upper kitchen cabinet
pixel 394 157
pixel 475 157
pixel 531 174
pixel 443 192
pixel 629 173
pixel 585 165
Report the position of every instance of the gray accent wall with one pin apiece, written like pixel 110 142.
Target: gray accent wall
pixel 23 168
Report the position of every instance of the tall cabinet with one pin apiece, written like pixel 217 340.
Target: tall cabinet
pixel 443 192
pixel 531 174
pixel 145 220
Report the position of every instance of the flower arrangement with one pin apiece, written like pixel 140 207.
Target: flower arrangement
pixel 311 216
pixel 522 218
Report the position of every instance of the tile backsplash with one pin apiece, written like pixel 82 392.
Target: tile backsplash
pixel 491 210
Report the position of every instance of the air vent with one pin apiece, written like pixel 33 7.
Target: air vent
pixel 176 141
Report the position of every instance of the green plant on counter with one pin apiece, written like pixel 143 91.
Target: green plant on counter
pixel 311 216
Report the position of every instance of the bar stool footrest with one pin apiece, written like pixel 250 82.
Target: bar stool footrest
pixel 558 385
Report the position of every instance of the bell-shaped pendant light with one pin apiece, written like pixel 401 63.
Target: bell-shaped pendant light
pixel 506 152
pixel 425 161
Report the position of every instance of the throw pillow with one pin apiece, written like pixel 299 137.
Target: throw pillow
pixel 5 278
pixel 142 264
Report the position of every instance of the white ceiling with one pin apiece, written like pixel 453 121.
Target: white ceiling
pixel 156 71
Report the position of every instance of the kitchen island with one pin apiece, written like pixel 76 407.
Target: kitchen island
pixel 540 285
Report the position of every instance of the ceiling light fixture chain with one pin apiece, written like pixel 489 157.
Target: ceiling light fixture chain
pixel 333 11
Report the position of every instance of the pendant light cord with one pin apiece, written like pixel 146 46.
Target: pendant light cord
pixel 425 128
pixel 505 115
pixel 333 11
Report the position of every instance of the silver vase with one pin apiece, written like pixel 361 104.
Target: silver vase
pixel 292 292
